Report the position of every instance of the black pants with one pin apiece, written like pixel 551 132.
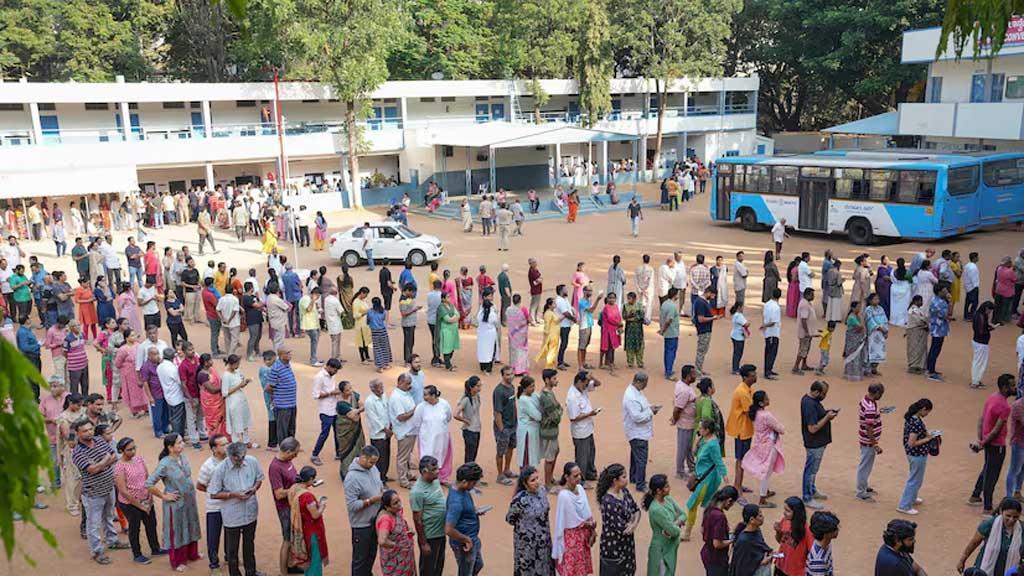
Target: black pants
pixel 151 320
pixel 177 333
pixel 383 446
pixel 271 434
pixel 737 354
pixel 933 353
pixel 285 418
pixel 136 517
pixel 247 534
pixel 408 341
pixel 364 353
pixel 176 418
pixel 563 343
pixel 971 304
pixel 771 350
pixel 364 550
pixel 448 361
pixel 989 476
pixel 471 440
pixel 303 236
pixel 585 454
pixel 435 354
pixel 433 564
pixel 214 527
pixel 638 463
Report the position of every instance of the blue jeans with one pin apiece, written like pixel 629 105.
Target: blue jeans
pixel 469 563
pixel 671 346
pixel 914 481
pixel 326 425
pixel 811 466
pixel 1015 474
pixel 369 260
pixel 158 414
pixel 135 276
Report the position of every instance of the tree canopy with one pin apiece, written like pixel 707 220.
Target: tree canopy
pixel 983 23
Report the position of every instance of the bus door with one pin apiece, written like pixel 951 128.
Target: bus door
pixel 723 193
pixel 1002 198
pixel 813 213
pixel 961 207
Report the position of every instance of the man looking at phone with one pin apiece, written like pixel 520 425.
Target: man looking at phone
pixel 581 423
pixel 816 427
pixel 235 483
pixel 282 475
pixel 638 420
pixel 214 522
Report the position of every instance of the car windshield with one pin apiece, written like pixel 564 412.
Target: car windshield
pixel 407 232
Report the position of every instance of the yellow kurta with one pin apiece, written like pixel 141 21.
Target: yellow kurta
pixel 549 350
pixel 362 329
pixel 958 271
pixel 269 239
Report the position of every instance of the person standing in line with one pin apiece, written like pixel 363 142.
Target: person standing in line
pixel 816 428
pixel 620 517
pixel 277 317
pixel 282 385
pixel 574 532
pixel 229 311
pixel 504 292
pixel 894 556
pixel 992 440
pixel 739 424
pixel 645 287
pixel 531 531
pixel 401 409
pixel 581 414
pixel 433 304
pixel 536 290
pixel 794 538
pixel 505 426
pixel 765 456
pixel 779 235
pixel 617 280
pixel 869 424
pixel 408 309
pixel 309 322
pixel 518 216
pixel 235 483
pixel 503 221
pixel 95 460
pixel 587 304
pixel 807 329
pixel 669 330
pixel 282 476
pixel 551 419
pixel 204 229
pixel 771 328
pixel 214 520
pixel 679 281
pixel 772 279
pixel 1015 440
pixel 704 316
pixel 939 314
pixel 180 512
pixel 971 285
pixel 982 333
pixel 684 413
pixel 334 320
pixel 462 521
pixel 666 279
pixel 427 501
pixel 739 278
pixel 636 215
pixel 567 316
pixel 698 279
pixel 825 529
pixel 210 298
pixel 638 421
pixel 715 532
pixel 325 393
pixel 468 413
pixel 363 492
pixel 739 333
pixel 170 384
pixel 917 443
pixel 378 426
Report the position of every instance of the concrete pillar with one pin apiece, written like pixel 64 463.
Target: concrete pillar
pixel 37 126
pixel 469 171
pixel 686 140
pixel 641 163
pixel 207 119
pixel 126 121
pixel 494 170
pixel 604 161
pixel 404 112
pixel 210 179
pixel 558 164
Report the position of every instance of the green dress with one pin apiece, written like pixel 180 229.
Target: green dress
pixel 709 466
pixel 665 532
pixel 633 315
pixel 448 335
pixel 348 434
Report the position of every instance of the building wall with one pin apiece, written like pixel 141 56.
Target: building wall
pixel 957 76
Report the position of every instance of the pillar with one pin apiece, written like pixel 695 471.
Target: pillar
pixel 686 141
pixel 404 112
pixel 494 171
pixel 558 164
pixel 604 161
pixel 207 119
pixel 210 179
pixel 126 121
pixel 469 171
pixel 37 126
pixel 590 162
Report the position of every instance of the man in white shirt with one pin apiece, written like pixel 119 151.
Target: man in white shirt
pixel 564 311
pixel 333 313
pixel 325 394
pixel 972 282
pixel 148 300
pixel 638 421
pixel 401 409
pixel 806 275
pixel 378 425
pixel 581 423
pixel 110 261
pixel 170 383
pixel 679 282
pixel 302 222
pixel 778 235
pixel 771 327
pixel 214 524
pixel 230 312
pixel 12 252
pixel 739 278
pixel 151 341
pixel 666 278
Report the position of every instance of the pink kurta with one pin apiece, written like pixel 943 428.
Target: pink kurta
pixel 611 322
pixel 128 308
pixel 131 391
pixel 579 280
pixel 766 444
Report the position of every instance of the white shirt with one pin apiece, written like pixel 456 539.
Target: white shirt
pixel 739 276
pixel 666 278
pixel 5 280
pixel 738 320
pixel 1020 349
pixel 12 254
pixel 562 306
pixel 324 383
pixel 778 232
pixel 637 416
pixel 170 382
pixel 333 311
pixel 148 295
pixel 109 256
pixel 400 403
pixel 227 305
pixel 772 313
pixel 680 280
pixel 577 403
pixel 972 278
pixel 805 275
pixel 377 419
pixel 142 352
pixel 205 477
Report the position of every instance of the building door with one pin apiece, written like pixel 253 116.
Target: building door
pixel 498 111
pixel 482 112
pixel 176 186
pixel 198 128
pixel 813 204
pixel 723 197
pixel 51 129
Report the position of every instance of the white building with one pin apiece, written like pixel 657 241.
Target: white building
pixel 970 104
pixel 82 138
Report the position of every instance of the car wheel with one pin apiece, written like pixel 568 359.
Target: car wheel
pixel 351 259
pixel 860 231
pixel 417 258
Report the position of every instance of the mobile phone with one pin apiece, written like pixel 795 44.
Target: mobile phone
pixel 323 499
pixel 318 482
pixel 598 410
pixel 484 509
pixel 836 410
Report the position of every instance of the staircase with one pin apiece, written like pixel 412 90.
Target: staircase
pixel 513 100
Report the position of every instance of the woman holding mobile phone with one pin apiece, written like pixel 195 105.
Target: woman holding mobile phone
pixel 751 555
pixel 309 535
pixel 915 442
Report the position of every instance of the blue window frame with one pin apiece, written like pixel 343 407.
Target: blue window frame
pixel 935 89
pixel 978 88
pixel 51 129
pixel 482 112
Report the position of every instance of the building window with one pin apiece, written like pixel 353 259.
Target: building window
pixel 47 107
pixel 173 105
pixel 195 105
pixel 450 99
pixel 133 105
pixel 245 103
pixel 11 107
pixel 426 100
pixel 996 89
pixel 313 101
pixel 978 88
pixel 96 106
pixel 935 89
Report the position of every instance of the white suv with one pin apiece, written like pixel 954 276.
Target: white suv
pixel 389 240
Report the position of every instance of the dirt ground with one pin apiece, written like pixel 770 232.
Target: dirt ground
pixel 946 522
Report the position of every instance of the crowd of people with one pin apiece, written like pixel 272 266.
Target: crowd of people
pixel 191 400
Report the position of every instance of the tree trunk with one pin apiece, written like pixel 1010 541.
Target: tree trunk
pixel 355 191
pixel 662 96
pixel 536 111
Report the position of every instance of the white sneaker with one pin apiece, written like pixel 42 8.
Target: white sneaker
pixel 918 500
pixel 908 512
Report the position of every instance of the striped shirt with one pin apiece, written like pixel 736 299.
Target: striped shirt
pixel 819 561
pixel 870 421
pixel 283 379
pixel 74 349
pixel 135 475
pixel 100 484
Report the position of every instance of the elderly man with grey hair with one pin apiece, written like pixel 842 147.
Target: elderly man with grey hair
pixel 174 396
pixel 363 491
pixel 235 483
pixel 638 421
pixel 401 409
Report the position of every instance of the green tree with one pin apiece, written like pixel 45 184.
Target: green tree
pixel 593 61
pixel 347 43
pixel 446 36
pixel 983 23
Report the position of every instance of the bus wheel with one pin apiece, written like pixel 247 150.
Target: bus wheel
pixel 860 231
pixel 748 219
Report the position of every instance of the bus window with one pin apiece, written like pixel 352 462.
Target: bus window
pixel 883 185
pixel 849 183
pixel 815 172
pixel 784 179
pixel 916 187
pixel 759 179
pixel 739 182
pixel 1004 172
pixel 725 168
pixel 962 181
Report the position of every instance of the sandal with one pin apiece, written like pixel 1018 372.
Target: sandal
pixel 316 461
pixel 101 559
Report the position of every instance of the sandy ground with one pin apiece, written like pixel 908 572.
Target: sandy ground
pixel 946 521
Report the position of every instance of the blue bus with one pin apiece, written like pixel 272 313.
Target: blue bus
pixel 916 194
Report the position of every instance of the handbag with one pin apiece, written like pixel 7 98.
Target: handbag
pixel 692 481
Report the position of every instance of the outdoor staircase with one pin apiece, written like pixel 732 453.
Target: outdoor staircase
pixel 513 100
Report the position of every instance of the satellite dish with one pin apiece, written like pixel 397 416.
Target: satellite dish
pixel 437 75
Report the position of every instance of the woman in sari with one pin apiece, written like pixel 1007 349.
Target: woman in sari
pixel 210 397
pixel 397 549
pixel 899 294
pixel 528 430
pixel 447 329
pixel 793 289
pixel 549 349
pixel 309 535
pixel 957 268
pixel 131 387
pixel 855 353
pixel 710 471
pixel 924 284
pixel 237 415
pixel 611 332
pixel 633 316
pixel 834 293
pixel 104 301
pixel 467 216
pixel 320 233
pixel 579 280
pixel 861 279
pixel 270 237
pixel 877 325
pixel 362 335
pixel 574 206
pixel 346 294
pixel 106 350
pixel 518 319
pixel 433 416
pixel 180 513
pixel 916 335
pixel 771 276
pixel 465 300
pixel 348 427
pixel 127 307
pixel 883 285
